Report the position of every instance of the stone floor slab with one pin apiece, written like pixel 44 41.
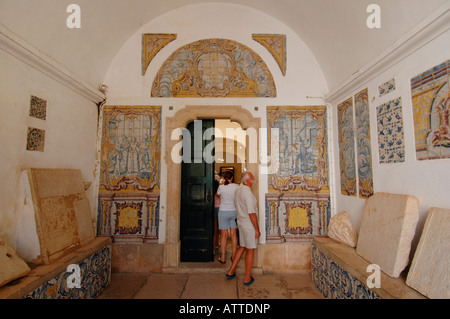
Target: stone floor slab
pixel 123 286
pixel 209 286
pixel 162 287
pixel 297 280
pixel 264 287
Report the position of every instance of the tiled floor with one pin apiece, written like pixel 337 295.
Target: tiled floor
pixel 210 285
pixel 208 281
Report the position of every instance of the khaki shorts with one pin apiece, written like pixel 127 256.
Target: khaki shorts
pixel 247 237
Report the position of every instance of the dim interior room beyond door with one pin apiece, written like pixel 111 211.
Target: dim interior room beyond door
pixel 225 140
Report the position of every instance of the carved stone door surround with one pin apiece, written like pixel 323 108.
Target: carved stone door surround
pixel 180 120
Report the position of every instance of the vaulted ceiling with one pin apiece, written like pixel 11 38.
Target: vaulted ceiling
pixel 334 30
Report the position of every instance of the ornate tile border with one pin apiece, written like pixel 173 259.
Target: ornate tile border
pixel 152 43
pixel 276 45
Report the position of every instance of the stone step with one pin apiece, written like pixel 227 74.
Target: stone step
pixel 207 270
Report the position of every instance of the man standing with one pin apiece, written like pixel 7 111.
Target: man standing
pixel 246 212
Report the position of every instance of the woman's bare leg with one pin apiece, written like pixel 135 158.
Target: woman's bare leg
pixel 239 252
pixel 234 241
pixel 223 243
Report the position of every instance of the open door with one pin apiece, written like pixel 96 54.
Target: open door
pixel 197 193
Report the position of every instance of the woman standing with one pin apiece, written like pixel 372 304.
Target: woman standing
pixel 227 215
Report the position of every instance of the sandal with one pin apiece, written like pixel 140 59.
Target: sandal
pixel 220 260
pixel 230 276
pixel 250 282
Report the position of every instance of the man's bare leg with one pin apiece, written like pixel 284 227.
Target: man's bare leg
pixel 249 256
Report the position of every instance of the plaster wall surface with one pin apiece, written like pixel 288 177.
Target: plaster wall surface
pixel 70 140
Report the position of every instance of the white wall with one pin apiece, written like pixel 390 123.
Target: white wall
pixel 195 22
pixel 70 137
pixel 428 180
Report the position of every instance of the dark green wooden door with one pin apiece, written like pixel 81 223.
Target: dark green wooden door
pixel 197 197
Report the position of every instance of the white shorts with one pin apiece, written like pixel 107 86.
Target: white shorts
pixel 247 237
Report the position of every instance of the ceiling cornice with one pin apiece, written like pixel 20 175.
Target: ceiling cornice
pixel 430 28
pixel 28 54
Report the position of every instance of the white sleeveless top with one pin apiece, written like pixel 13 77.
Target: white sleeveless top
pixel 226 193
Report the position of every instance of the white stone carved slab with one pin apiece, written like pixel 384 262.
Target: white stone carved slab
pixel 341 230
pixel 387 228
pixel 61 211
pixel 83 214
pixel 430 269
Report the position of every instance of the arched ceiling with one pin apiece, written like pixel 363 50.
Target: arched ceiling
pixel 334 30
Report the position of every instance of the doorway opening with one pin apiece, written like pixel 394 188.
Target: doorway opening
pixel 210 147
pixel 172 243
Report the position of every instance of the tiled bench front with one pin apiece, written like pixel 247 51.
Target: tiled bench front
pixel 338 272
pixel 51 281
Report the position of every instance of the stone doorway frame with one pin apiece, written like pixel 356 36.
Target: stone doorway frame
pixel 180 119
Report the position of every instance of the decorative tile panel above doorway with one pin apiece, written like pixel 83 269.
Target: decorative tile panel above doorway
pixel 214 68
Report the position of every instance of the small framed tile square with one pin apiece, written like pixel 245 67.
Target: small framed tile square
pixel 390 132
pixel 38 108
pixel 35 139
pixel 386 87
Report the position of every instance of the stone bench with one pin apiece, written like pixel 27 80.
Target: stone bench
pixel 338 272
pixel 49 281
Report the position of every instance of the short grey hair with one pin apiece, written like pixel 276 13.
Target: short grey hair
pixel 246 176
